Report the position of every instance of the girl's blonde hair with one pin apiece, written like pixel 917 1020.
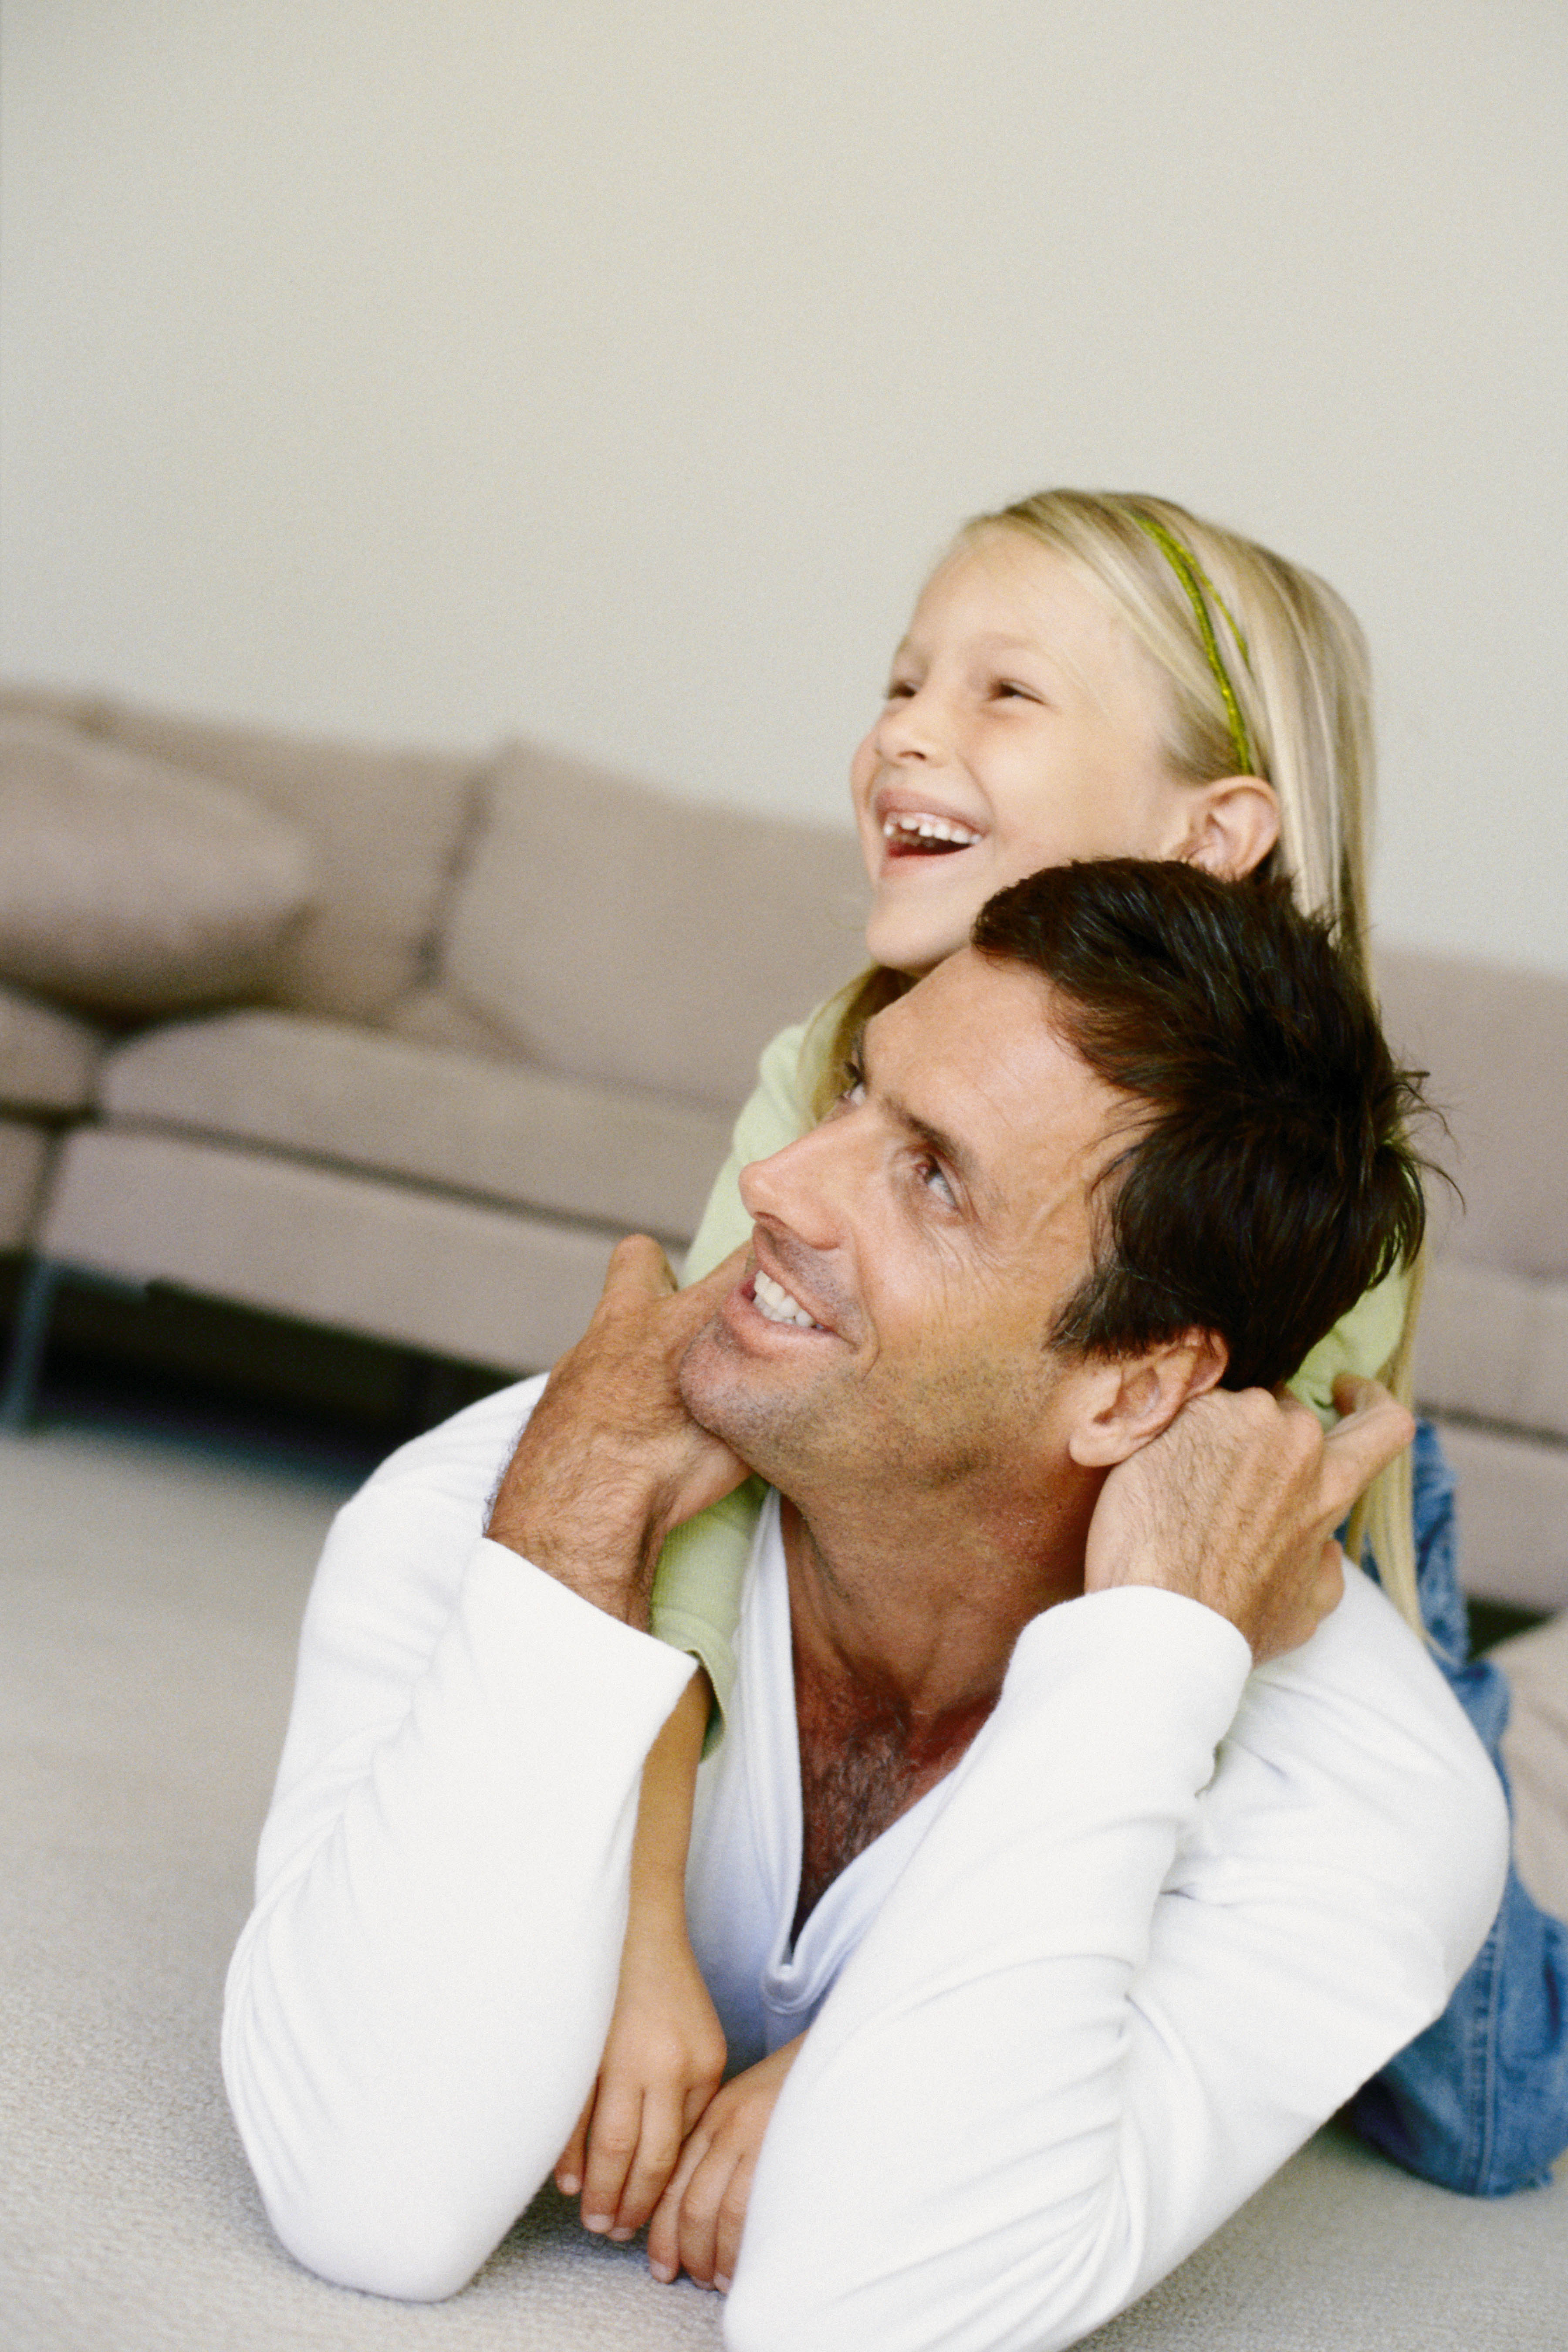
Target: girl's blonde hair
pixel 1241 635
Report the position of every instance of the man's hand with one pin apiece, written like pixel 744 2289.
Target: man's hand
pixel 1236 1504
pixel 701 2214
pixel 611 1460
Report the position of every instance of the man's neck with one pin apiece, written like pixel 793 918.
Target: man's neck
pixel 901 1645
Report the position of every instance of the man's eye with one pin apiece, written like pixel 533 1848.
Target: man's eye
pixel 933 1177
pixel 855 1088
pixel 899 690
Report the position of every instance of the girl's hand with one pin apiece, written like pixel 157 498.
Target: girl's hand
pixel 702 2212
pixel 665 2054
pixel 662 2063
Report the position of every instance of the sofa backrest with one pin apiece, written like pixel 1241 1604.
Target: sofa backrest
pixel 1493 1336
pixel 629 937
pixel 1496 1044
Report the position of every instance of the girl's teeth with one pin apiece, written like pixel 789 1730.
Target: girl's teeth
pixel 930 828
pixel 774 1303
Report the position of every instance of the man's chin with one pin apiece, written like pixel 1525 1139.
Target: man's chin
pixel 732 1395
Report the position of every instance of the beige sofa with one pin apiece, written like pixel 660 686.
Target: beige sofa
pixel 512 1018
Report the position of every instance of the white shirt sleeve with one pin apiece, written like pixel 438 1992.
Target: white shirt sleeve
pixel 418 2004
pixel 1120 1982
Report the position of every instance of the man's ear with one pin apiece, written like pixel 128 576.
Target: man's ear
pixel 1231 827
pixel 1127 1402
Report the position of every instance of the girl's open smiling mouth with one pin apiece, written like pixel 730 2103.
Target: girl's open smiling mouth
pixel 919 832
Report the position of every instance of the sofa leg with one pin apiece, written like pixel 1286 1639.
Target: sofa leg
pixel 28 1340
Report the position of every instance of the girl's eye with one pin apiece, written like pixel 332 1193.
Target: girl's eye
pixel 1010 688
pixel 854 1093
pixel 899 690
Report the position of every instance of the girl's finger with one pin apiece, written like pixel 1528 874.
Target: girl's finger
pixel 664 2230
pixel 612 2145
pixel 700 2208
pixel 657 2153
pixel 573 2156
pixel 732 2219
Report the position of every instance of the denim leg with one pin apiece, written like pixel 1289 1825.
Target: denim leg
pixel 1480 2101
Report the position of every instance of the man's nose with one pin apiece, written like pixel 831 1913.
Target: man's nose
pixel 800 1190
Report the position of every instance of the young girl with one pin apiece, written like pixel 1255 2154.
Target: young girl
pixel 1084 675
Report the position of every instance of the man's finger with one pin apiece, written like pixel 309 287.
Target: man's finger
pixel 639 1276
pixel 638 1269
pixel 1329 1589
pixel 1373 1430
pixel 709 1289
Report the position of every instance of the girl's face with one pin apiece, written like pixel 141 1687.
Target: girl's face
pixel 1022 727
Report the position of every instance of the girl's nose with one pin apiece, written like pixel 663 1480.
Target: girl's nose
pixel 912 728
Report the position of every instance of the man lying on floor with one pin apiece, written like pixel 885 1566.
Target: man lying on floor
pixel 1124 1854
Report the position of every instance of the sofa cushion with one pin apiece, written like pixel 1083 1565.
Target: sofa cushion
pixel 1496 1043
pixel 434 1016
pixel 1512 1510
pixel 128 886
pixel 643 940
pixel 48 1059
pixel 493 1130
pixel 356 1253
pixel 67 708
pixel 387 827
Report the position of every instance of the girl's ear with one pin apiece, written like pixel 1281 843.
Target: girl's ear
pixel 1128 1403
pixel 1233 824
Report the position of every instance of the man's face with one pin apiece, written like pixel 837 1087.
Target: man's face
pixel 910 1253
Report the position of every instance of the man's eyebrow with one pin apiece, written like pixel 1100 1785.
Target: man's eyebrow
pixel 937 1140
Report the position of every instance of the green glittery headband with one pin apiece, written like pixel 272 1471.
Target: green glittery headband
pixel 1195 580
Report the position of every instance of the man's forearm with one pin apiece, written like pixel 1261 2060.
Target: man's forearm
pixel 419 2001
pixel 581 1516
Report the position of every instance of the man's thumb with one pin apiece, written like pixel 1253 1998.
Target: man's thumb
pixel 1375 1428
pixel 638 1268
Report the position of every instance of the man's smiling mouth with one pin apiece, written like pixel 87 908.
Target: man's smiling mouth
pixel 916 833
pixel 775 1304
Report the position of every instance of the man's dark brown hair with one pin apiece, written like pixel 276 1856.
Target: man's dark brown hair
pixel 1267 1181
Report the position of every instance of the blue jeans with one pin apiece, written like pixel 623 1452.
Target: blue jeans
pixel 1480 2101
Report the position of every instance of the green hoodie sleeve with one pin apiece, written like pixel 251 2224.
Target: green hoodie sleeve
pixel 697 1587
pixel 776 1113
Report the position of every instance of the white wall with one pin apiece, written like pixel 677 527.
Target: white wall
pixel 610 370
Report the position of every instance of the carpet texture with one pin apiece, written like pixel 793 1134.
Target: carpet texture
pixel 150 1596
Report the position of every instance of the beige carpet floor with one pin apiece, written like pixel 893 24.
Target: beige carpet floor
pixel 150 1595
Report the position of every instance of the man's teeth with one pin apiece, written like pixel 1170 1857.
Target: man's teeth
pixel 775 1304
pixel 930 828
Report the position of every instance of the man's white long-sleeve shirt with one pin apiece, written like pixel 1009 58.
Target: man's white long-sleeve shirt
pixel 1070 2010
